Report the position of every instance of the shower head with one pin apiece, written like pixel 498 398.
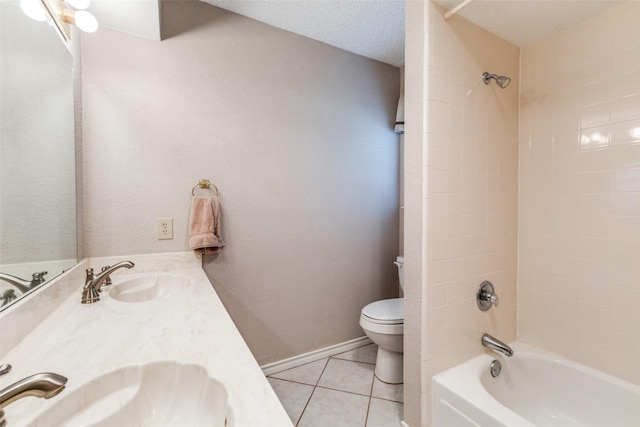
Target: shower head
pixel 503 81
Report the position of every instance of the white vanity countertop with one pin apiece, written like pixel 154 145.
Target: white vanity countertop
pixel 84 341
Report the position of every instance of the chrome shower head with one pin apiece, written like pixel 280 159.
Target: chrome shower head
pixel 503 81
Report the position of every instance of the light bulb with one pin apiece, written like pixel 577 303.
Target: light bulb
pixel 79 4
pixel 33 9
pixel 86 21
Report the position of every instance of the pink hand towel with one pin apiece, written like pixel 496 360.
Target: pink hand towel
pixel 204 224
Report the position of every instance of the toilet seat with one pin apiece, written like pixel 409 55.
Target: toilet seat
pixel 383 322
pixel 381 328
pixel 385 312
pixel 384 317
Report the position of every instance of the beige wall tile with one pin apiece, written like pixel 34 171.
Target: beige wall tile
pixel 580 281
pixel 472 192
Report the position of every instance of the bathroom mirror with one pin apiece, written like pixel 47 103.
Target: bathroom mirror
pixel 37 152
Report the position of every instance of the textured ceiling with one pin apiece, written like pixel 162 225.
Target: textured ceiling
pixel 371 28
pixel 375 28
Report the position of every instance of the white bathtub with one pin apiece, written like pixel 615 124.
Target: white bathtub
pixel 535 389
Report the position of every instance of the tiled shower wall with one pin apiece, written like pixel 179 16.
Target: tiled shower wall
pixel 579 199
pixel 472 172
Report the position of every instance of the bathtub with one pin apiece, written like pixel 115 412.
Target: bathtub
pixel 535 389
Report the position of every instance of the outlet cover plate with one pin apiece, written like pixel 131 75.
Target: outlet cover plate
pixel 164 228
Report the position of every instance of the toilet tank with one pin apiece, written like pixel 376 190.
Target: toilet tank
pixel 400 264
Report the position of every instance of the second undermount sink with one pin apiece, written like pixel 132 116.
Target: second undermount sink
pixel 148 288
pixel 159 394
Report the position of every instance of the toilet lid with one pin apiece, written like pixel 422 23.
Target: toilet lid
pixel 385 311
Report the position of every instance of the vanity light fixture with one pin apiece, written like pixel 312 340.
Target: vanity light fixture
pixel 33 9
pixel 80 18
pixel 61 13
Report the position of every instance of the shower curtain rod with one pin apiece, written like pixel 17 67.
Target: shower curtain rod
pixel 455 10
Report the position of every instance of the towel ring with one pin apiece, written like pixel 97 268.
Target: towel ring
pixel 206 184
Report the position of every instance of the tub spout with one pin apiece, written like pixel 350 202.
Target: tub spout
pixel 497 345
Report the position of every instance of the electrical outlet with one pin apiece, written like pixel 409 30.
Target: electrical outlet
pixel 164 228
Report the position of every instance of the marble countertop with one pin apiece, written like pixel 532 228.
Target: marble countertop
pixel 190 326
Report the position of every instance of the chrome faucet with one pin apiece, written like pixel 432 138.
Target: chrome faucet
pixel 93 282
pixel 25 285
pixel 497 345
pixel 8 296
pixel 44 385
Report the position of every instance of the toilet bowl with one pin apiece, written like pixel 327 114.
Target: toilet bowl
pixel 383 322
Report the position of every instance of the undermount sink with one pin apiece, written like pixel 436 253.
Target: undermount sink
pixel 152 395
pixel 148 288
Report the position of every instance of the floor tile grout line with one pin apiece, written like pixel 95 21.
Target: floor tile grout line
pixel 322 373
pixel 317 385
pixel 385 385
pixel 335 389
pixel 371 397
pixel 312 392
pixel 373 380
pixel 366 419
pixel 328 357
pixel 351 360
pixel 297 366
pixel 387 400
pixel 305 406
pixel 346 391
pixel 343 391
pixel 354 349
pixel 293 382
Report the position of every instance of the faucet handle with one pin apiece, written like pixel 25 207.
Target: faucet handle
pixel 38 278
pixel 39 275
pixel 7 296
pixel 5 368
pixel 493 299
pixel 89 277
pixel 107 281
pixel 486 296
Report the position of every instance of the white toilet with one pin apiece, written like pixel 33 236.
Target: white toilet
pixel 383 322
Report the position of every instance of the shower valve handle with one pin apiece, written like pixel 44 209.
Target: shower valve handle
pixel 486 296
pixel 494 299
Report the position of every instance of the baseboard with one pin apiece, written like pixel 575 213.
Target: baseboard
pixel 403 424
pixel 312 356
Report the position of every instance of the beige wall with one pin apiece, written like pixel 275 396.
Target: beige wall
pixel 297 135
pixel 579 293
pixel 468 191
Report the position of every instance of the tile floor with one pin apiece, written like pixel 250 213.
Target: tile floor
pixel 339 391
